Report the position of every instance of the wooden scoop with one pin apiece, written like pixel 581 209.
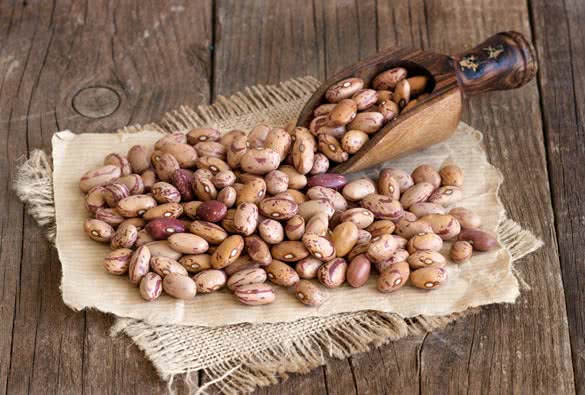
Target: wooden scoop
pixel 504 61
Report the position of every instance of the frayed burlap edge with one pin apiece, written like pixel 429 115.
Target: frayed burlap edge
pixel 349 333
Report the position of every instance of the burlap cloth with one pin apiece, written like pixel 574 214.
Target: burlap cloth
pixel 240 348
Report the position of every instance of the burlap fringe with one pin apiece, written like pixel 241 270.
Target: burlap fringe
pixel 359 331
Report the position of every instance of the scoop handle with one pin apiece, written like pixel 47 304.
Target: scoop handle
pixel 504 61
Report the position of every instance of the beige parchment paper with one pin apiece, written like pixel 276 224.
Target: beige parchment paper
pixel 487 278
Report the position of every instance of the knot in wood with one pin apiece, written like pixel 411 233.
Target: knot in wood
pixel 96 101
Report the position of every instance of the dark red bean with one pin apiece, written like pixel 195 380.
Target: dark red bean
pixel 162 228
pixel 333 181
pixel 212 211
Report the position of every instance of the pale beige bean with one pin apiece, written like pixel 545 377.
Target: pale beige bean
pixel 365 98
pixel 198 135
pixel 421 259
pixel 336 198
pixel 361 217
pixel 425 242
pixel 461 251
pixel 258 135
pixel 243 262
pixel 164 192
pixel 260 161
pixel 236 150
pixel 278 208
pixel 110 216
pixel 210 280
pixel 480 239
pixel 276 182
pixel 246 277
pixel 139 264
pixel 255 294
pixel 382 227
pixel 303 153
pixel 394 277
pixel 271 231
pixel 353 141
pixel 426 173
pixel 98 230
pixel 118 261
pixel 179 286
pixel 246 218
pixel 309 294
pixel 99 177
pixel 446 196
pixel 381 248
pixel 252 192
pixel 307 268
pixel 187 243
pixel 289 251
pixel 258 250
pixel 388 109
pixel 227 252
pixel 164 266
pixel 135 205
pixel 332 274
pixel 151 286
pixel 125 236
pixel 320 164
pixel 281 274
pixel 466 218
pixel 429 277
pixel 444 225
pixel 297 196
pixel 162 248
pixel 343 89
pixel 139 158
pixel 404 179
pixel 210 232
pixel 358 189
pixel 407 215
pixel 451 175
pixel 133 182
pixel 279 141
pixel 358 271
pixel 296 180
pixel 185 154
pixel 295 228
pixel 368 122
pixel 408 229
pixel 318 224
pixel 224 178
pixel 196 263
pixel 389 79
pixel 94 199
pixel 167 210
pixel 227 196
pixel 113 193
pixel 401 94
pixel 203 173
pixel 164 165
pixel 400 255
pixel 383 207
pixel 312 207
pixel 323 109
pixel 319 246
pixel 363 236
pixel 344 238
pixel 173 138
pixel 416 194
pixel 425 208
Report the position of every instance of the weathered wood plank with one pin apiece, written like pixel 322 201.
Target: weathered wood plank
pixel 521 348
pixel 145 59
pixel 559 40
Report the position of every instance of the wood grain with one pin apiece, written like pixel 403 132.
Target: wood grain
pixel 153 56
pixel 94 67
pixel 556 27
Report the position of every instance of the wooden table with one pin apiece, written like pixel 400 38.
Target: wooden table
pixel 95 66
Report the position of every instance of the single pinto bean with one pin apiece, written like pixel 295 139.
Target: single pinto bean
pixel 150 286
pixel 422 259
pixel 258 250
pixel 295 228
pixel 210 280
pixel 309 294
pixel 98 230
pixel 227 252
pixel 343 113
pixel 417 193
pixel 425 242
pixel 344 89
pixel 368 122
pixel 446 195
pixel 99 177
pixel 179 286
pixel 451 175
pixel 429 277
pixel 467 218
pixel 389 78
pixel 480 239
pixel 365 98
pixel 255 294
pixel 353 141
pixel 444 225
pixel 426 173
pixel 281 274
pixel 358 271
pixel 344 238
pixel 394 277
pixel 308 267
pixel 332 274
pixel 319 246
pixel 461 251
pixel 289 251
